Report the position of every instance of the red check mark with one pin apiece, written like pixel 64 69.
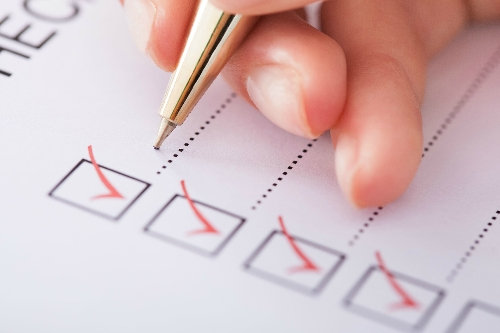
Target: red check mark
pixel 307 264
pixel 406 300
pixel 113 192
pixel 208 228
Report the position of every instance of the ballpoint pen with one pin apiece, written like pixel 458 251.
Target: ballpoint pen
pixel 213 38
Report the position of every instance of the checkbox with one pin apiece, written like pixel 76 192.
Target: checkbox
pixel 294 262
pixel 194 225
pixel 379 297
pixel 99 190
pixel 477 317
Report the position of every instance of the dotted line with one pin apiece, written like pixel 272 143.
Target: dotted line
pixel 486 71
pixel 281 178
pixel 492 63
pixel 463 260
pixel 198 132
pixel 361 231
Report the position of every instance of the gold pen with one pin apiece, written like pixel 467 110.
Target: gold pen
pixel 213 38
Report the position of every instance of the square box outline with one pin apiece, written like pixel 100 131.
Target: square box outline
pixel 89 210
pixel 247 266
pixel 188 246
pixel 387 320
pixel 467 309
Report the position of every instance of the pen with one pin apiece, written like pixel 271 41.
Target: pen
pixel 213 38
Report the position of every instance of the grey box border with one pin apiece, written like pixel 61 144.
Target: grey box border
pixel 247 266
pixel 387 320
pixel 466 310
pixel 188 246
pixel 95 212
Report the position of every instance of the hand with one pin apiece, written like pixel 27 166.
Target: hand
pixel 362 77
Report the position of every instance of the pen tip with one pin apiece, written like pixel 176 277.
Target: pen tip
pixel 166 127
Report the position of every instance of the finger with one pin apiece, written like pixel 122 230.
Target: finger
pixel 294 74
pixel 483 10
pixel 437 22
pixel 301 12
pixel 159 28
pixel 378 138
pixel 260 7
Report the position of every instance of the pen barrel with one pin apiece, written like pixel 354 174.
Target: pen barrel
pixel 212 40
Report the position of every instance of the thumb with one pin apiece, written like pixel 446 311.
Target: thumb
pixel 159 27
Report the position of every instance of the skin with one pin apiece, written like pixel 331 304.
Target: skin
pixel 362 76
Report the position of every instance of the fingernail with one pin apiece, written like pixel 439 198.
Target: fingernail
pixel 346 162
pixel 140 16
pixel 276 91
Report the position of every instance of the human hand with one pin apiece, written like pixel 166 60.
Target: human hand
pixel 362 77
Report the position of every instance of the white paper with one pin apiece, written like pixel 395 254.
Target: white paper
pixel 113 243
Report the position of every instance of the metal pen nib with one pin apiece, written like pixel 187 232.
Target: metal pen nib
pixel 166 128
pixel 212 40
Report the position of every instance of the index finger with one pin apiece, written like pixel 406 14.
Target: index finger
pixel 260 7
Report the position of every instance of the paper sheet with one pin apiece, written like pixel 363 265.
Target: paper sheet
pixel 234 225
